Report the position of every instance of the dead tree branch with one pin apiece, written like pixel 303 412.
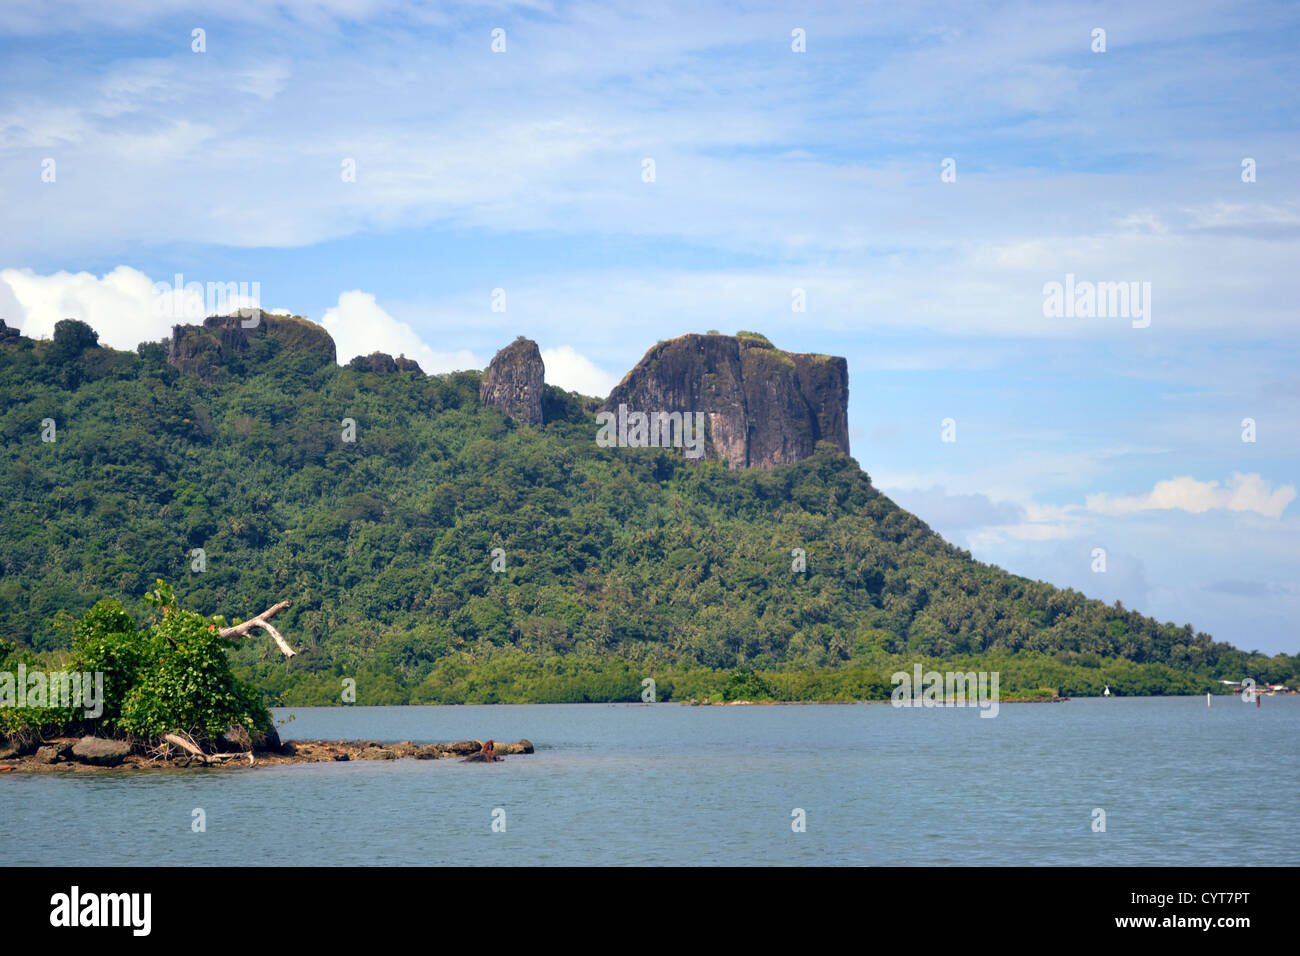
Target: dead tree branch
pixel 263 621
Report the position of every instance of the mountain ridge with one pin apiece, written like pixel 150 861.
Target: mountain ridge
pixel 385 543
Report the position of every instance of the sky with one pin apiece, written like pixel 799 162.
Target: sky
pixel 916 176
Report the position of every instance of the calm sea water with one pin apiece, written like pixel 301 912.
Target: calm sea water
pixel 668 784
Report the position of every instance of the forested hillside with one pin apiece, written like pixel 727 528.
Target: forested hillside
pixel 384 545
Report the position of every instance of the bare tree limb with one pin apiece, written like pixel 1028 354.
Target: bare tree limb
pixel 262 621
pixel 187 745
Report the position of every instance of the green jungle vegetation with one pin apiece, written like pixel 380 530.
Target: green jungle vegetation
pixel 620 564
pixel 170 674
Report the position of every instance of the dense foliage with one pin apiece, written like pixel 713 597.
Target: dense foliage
pixel 619 562
pixel 170 675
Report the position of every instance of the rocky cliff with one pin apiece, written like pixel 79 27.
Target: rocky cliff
pixel 223 342
pixel 381 363
pixel 514 382
pixel 762 406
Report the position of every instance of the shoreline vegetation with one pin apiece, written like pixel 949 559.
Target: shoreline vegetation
pixel 515 677
pixel 166 696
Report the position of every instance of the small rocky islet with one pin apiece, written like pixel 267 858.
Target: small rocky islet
pixel 98 754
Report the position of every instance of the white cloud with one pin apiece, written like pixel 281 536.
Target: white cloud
pixel 264 81
pixel 1242 492
pixel 567 369
pixel 122 306
pixel 359 326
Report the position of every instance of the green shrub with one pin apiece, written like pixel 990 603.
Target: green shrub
pixel 171 676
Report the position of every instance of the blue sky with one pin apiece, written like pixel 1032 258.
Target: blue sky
pixel 775 170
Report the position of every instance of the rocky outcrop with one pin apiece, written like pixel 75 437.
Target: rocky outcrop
pixel 381 363
pixel 8 336
pixel 514 382
pixel 225 342
pixel 94 755
pixel 762 406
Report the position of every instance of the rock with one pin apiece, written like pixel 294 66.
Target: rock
pixel 267 739
pixel 52 753
pixel 220 345
pixel 341 757
pixel 518 747
pixel 515 382
pixel 381 363
pixel 99 752
pixel 18 746
pixel 762 406
pixel 8 336
pixel 462 747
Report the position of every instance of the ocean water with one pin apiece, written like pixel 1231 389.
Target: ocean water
pixel 638 784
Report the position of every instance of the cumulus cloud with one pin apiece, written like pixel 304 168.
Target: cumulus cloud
pixel 125 306
pixel 573 372
pixel 1242 492
pixel 359 326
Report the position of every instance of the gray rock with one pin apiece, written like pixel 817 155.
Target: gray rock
pixel 514 382
pixel 762 406
pixel 51 753
pixel 99 752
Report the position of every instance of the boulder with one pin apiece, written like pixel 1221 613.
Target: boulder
pixel 462 748
pixel 268 739
pixel 99 752
pixel 52 753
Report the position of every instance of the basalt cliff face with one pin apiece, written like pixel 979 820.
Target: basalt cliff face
pixel 224 342
pixel 762 406
pixel 514 382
